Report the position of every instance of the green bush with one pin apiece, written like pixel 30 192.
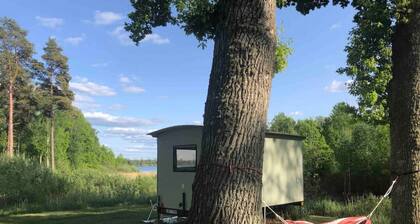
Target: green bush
pixel 28 186
pixel 24 181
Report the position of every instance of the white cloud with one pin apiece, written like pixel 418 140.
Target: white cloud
pixel 92 88
pixel 50 22
pixel 85 103
pixel 133 89
pixel 116 106
pixel 335 26
pixel 87 106
pixel 104 119
pixel 145 148
pixel 106 18
pixel 124 37
pixel 125 131
pixel 133 135
pixel 156 39
pixel 142 142
pixel 75 40
pixel 295 113
pixel 125 79
pixel 128 86
pixel 338 86
pixel 83 99
pixel 198 122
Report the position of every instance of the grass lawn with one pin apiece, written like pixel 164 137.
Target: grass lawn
pixel 108 215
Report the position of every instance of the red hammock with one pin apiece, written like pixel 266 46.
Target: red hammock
pixel 348 220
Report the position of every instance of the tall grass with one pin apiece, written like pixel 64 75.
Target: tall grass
pixel 356 206
pixel 27 186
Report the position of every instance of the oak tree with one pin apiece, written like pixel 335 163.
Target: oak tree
pixel 383 60
pixel 395 25
pixel 227 185
pixel 233 121
pixel 405 112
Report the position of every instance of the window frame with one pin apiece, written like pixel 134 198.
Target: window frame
pixel 192 147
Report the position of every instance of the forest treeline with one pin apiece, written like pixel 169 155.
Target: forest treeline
pixel 344 155
pixel 143 162
pixel 37 118
pixel 50 156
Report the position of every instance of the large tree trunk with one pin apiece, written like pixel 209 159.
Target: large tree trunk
pixel 228 182
pixel 52 144
pixel 10 142
pixel 405 118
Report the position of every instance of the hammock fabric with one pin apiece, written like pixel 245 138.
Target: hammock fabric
pixel 349 220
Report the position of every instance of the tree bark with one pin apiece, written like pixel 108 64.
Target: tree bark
pixel 228 182
pixel 405 118
pixel 52 145
pixel 10 142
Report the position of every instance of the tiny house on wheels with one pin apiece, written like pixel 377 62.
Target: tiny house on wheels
pixel 178 153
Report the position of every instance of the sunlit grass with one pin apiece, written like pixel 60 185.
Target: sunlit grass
pixel 107 215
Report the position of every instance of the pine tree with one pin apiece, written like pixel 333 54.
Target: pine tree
pixel 54 84
pixel 15 60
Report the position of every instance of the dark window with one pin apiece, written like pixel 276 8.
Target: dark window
pixel 185 158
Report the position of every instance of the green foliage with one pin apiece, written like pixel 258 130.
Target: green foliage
pixel 283 124
pixel 342 153
pixel 195 17
pixel 369 61
pixel 198 17
pixel 54 80
pixel 337 131
pixel 15 59
pixel 22 180
pixel 38 138
pixel 283 50
pixel 30 186
pixel 42 100
pixel 305 6
pixel 318 156
pixel 15 50
pixel 370 147
pixel 361 150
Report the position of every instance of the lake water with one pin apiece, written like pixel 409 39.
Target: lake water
pixel 147 168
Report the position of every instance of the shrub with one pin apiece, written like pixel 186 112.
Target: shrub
pixel 26 185
pixel 24 181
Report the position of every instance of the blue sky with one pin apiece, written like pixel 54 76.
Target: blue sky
pixel 125 91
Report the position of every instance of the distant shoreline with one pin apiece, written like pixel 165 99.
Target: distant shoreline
pixel 147 169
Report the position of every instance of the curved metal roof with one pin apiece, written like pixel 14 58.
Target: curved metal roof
pixel 172 128
pixel 268 134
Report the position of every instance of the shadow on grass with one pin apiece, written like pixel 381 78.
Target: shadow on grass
pixel 110 215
